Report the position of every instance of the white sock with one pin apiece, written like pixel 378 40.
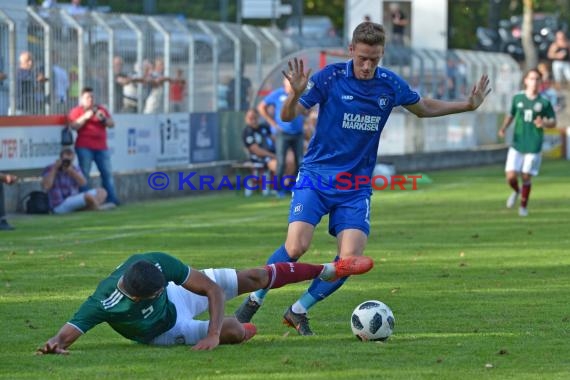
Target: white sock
pixel 328 271
pixel 254 297
pixel 297 308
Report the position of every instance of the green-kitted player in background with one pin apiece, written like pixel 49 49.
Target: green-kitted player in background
pixel 532 113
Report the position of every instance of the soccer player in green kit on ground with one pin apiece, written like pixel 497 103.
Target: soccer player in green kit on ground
pixel 532 113
pixel 152 298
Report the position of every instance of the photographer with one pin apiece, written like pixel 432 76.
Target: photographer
pixel 62 180
pixel 91 122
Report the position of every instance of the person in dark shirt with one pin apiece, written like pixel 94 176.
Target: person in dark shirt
pixel 258 142
pixel 245 92
pixel 28 93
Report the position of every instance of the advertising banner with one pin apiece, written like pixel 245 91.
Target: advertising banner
pixel 29 142
pixel 133 142
pixel 204 137
pixel 173 140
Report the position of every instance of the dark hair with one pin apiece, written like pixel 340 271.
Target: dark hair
pixel 86 89
pixel 369 33
pixel 143 279
pixel 533 70
pixel 66 151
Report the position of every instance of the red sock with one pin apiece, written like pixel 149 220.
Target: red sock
pixel 525 194
pixel 287 273
pixel 514 183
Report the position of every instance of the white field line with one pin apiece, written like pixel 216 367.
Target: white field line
pixel 74 239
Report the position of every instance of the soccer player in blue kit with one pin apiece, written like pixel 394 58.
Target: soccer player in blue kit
pixel 355 99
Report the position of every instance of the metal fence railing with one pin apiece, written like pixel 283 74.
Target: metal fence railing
pixel 173 64
pixel 200 63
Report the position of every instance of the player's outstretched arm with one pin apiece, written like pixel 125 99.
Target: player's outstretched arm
pixel 427 107
pixel 59 343
pixel 298 79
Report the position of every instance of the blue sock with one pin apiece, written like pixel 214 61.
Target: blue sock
pixel 279 256
pixel 319 290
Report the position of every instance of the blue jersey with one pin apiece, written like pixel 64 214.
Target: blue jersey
pixel 277 98
pixel 352 114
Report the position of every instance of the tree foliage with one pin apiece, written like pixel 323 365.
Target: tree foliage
pixel 464 15
pixel 212 9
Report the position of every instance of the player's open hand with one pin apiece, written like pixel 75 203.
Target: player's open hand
pixel 479 92
pixel 297 76
pixel 51 349
pixel 208 343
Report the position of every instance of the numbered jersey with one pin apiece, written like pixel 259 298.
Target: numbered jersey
pixel 139 321
pixel 527 137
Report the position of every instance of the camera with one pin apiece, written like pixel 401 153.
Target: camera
pixel 65 163
pixel 100 115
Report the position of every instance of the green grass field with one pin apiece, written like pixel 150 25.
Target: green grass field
pixel 477 291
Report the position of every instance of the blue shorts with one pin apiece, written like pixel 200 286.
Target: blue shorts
pixel 346 209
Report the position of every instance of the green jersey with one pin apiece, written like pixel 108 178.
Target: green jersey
pixel 527 137
pixel 139 321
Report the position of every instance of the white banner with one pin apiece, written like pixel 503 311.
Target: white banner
pixel 27 143
pixel 137 142
pixel 173 140
pixel 133 142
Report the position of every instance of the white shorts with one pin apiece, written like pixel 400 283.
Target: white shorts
pixel 73 203
pixel 527 163
pixel 188 330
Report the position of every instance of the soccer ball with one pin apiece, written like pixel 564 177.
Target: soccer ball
pixel 372 320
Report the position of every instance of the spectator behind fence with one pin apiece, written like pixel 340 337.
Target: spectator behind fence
pixel 28 93
pixel 8 179
pixel 121 80
pixel 4 100
pixel 76 9
pixel 130 100
pixel 245 91
pixel 91 122
pixel 155 100
pixel 399 23
pixel 60 89
pixel 559 53
pixel 546 87
pixel 177 91
pixel 62 180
